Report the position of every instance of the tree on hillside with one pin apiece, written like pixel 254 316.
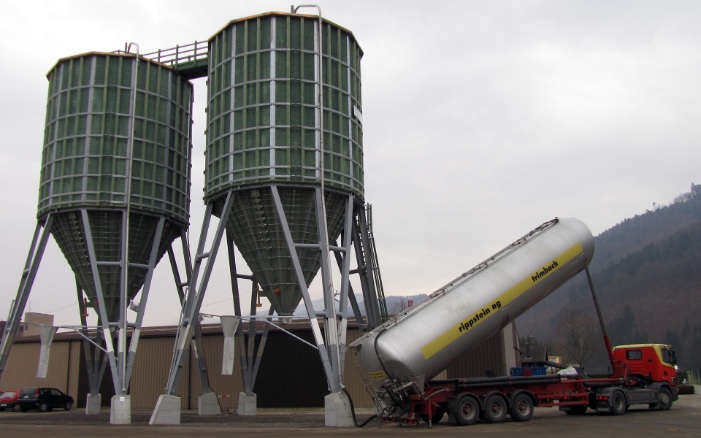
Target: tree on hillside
pixel 576 337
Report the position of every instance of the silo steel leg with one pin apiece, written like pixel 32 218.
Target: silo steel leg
pixel 316 330
pixel 36 252
pixel 94 268
pixel 195 295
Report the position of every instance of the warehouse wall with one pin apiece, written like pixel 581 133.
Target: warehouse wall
pixel 290 375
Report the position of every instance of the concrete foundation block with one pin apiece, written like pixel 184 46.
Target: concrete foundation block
pixel 120 409
pixel 337 410
pixel 248 404
pixel 167 410
pixel 208 404
pixel 93 404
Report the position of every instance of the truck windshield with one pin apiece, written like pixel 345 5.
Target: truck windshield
pixel 669 356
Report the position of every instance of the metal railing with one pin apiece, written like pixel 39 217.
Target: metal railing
pixel 197 51
pixel 178 55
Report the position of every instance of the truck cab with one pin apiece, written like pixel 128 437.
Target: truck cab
pixel 651 362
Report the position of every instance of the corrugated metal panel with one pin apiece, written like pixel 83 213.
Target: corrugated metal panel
pixel 291 374
pixel 150 373
pixel 351 374
pixel 486 358
pixel 20 371
pixel 226 388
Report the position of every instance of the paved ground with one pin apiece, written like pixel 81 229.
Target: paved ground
pixel 684 419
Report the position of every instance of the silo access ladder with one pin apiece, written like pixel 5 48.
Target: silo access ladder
pixel 375 266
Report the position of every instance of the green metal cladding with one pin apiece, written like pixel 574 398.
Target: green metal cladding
pixel 85 164
pixel 88 121
pixel 264 118
pixel 265 127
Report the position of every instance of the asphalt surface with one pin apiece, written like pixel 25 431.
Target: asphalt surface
pixel 684 419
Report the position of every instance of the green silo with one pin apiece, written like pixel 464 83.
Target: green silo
pixel 279 116
pixel 90 164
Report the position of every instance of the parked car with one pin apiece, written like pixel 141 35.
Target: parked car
pixel 44 399
pixel 8 400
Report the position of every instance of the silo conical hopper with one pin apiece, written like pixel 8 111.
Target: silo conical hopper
pixel 266 127
pixel 89 164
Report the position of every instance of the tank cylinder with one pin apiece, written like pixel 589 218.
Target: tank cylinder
pixel 417 345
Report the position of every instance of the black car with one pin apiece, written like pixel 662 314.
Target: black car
pixel 44 399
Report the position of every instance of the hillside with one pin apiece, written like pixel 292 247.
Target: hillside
pixel 647 275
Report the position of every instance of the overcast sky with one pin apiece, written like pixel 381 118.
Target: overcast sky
pixel 482 119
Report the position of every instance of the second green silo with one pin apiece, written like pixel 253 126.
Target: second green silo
pixel 280 114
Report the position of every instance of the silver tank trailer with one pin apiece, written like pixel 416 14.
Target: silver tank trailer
pixel 416 345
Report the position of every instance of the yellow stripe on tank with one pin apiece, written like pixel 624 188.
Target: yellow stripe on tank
pixel 458 330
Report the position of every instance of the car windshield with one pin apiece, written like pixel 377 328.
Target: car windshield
pixel 8 394
pixel 28 392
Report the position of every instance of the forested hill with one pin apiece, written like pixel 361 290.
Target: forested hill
pixel 647 275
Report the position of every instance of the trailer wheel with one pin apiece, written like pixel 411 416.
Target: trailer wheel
pixel 521 407
pixel 494 409
pixel 618 403
pixel 467 410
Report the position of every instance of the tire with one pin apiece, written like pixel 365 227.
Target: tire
pixel 521 407
pixel 2 409
pixel 618 403
pixel 665 399
pixel 68 406
pixel 494 409
pixel 43 407
pixel 467 410
pixel 575 410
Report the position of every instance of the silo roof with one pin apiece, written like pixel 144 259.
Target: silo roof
pixel 285 14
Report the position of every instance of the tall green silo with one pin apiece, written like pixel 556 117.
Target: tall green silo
pixel 278 118
pixel 109 150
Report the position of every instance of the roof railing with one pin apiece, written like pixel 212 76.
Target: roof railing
pixel 197 51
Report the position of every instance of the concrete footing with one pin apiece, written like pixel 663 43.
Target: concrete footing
pixel 208 404
pixel 248 404
pixel 120 409
pixel 337 410
pixel 93 404
pixel 167 410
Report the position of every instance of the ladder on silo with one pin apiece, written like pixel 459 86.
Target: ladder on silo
pixel 375 265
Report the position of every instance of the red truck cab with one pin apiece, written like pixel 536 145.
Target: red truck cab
pixel 651 362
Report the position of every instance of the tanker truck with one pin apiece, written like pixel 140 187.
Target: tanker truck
pixel 398 359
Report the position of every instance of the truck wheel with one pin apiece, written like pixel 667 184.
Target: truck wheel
pixel 665 399
pixel 494 409
pixel 43 407
pixel 521 407
pixel 618 403
pixel 467 410
pixel 68 406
